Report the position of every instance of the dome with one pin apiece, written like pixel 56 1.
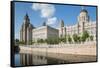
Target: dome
pixel 84 10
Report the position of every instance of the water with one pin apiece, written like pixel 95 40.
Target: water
pixel 17 60
pixel 39 58
pixel 25 59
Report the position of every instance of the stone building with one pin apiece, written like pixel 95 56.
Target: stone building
pixel 45 32
pixel 26 31
pixel 84 23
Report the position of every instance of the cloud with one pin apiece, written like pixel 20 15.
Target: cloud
pixel 47 11
pixel 52 20
pixel 36 7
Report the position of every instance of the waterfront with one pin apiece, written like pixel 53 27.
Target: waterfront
pixel 31 55
pixel 25 59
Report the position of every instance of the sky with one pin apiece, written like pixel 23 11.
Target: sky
pixel 49 13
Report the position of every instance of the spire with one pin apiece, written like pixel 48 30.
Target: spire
pixel 26 19
pixel 44 23
pixel 62 23
pixel 26 16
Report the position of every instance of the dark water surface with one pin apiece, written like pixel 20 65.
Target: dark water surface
pixel 26 59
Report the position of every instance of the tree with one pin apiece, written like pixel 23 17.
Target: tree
pixel 75 38
pixel 62 39
pixel 85 35
pixel 17 40
pixel 33 42
pixel 21 42
pixel 52 40
pixel 40 41
pixel 69 39
pixel 91 38
pixel 79 39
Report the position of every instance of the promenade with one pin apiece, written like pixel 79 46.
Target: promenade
pixel 70 52
pixel 83 49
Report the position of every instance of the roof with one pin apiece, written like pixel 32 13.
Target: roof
pixel 42 27
pixel 84 10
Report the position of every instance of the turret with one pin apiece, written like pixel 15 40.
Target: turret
pixel 26 19
pixel 62 29
pixel 44 23
pixel 83 16
pixel 61 23
pixel 26 31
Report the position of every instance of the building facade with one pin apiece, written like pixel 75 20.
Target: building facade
pixel 29 34
pixel 45 32
pixel 84 23
pixel 26 31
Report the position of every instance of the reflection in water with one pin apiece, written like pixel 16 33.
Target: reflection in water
pixel 29 59
pixel 17 59
pixel 23 59
pixel 43 58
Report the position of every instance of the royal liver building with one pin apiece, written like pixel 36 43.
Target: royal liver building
pixel 84 23
pixel 26 30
